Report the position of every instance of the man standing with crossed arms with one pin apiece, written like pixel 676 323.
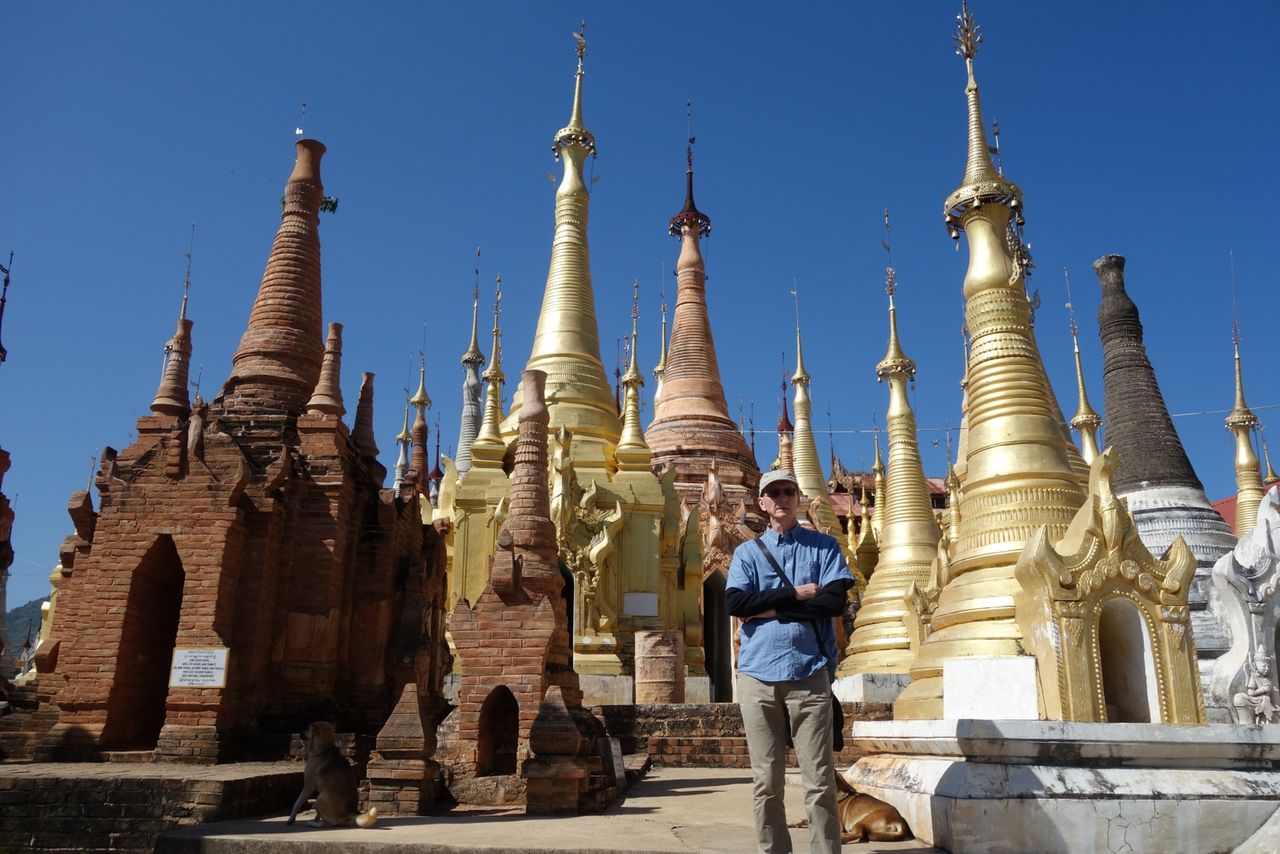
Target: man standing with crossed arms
pixel 787 656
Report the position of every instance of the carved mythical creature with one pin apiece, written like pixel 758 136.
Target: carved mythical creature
pixel 195 428
pixel 600 616
pixel 562 482
pixel 1245 582
pixel 1255 699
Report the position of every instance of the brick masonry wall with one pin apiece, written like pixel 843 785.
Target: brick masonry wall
pixel 104 808
pixel 709 735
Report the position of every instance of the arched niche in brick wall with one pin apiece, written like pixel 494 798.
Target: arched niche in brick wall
pixel 136 704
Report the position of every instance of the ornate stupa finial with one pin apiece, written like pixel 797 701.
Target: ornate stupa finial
pixel 488 445
pixel 420 398
pixel 689 214
pixel 801 376
pixel 472 361
pixel 982 183
pixel 1271 478
pixel 633 453
pixel 473 356
pixel 566 343
pixel 436 475
pixel 1086 421
pixel 1242 422
pixel 784 420
pixel 575 133
pixel 660 369
pixel 403 440
pixel 895 362
pixel 908 533
pixel 804 449
pixel 171 397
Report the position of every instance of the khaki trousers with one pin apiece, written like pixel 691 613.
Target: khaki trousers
pixel 808 704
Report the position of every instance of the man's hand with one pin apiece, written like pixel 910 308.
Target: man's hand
pixel 806 591
pixel 763 615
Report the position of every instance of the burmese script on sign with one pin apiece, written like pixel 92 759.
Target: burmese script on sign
pixel 199 667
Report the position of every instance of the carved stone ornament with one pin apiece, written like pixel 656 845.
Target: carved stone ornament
pixel 1107 622
pixel 1245 581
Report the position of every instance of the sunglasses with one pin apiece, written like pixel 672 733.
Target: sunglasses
pixel 789 492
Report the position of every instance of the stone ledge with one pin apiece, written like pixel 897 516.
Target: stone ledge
pixel 1082 744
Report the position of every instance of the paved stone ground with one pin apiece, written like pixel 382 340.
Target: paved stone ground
pixel 675 810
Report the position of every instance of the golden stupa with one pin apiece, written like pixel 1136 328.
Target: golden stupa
pixel 1249 487
pixel 1016 473
pixel 909 530
pixel 613 516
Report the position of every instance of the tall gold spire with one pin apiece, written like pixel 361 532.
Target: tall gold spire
pixel 878 488
pixel 1242 422
pixel 660 369
pixel 1271 478
pixel 633 454
pixel 909 529
pixel 473 356
pixel 1017 476
pixel 567 342
pixel 488 448
pixel 1086 421
pixel 420 398
pixel 804 450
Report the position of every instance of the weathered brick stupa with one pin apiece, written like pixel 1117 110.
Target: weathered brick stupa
pixel 1154 475
pixel 614 534
pixel 1017 471
pixel 693 435
pixel 514 644
pixel 250 537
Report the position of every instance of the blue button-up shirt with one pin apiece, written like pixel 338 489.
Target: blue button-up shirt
pixel 772 651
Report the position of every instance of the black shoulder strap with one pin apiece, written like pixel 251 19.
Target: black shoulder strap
pixel 786 582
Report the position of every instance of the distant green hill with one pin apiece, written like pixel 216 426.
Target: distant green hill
pixel 16 623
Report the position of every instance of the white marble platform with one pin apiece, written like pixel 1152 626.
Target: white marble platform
pixel 1052 786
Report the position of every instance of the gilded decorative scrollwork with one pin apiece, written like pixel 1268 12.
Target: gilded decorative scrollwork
pixel 1067 591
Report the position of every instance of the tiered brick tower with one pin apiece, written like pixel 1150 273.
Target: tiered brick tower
pixel 254 532
pixel 1154 475
pixel 514 642
pixel 692 434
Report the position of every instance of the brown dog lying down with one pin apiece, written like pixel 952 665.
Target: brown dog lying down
pixel 330 777
pixel 863 817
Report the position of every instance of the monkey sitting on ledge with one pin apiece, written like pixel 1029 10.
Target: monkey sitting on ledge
pixel 330 777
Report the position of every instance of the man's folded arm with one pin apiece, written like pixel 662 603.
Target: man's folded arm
pixel 747 604
pixel 828 603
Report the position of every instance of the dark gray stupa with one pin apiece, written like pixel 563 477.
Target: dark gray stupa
pixel 1155 476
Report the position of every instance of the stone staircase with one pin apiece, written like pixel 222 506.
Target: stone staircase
pixel 21 730
pixel 706 735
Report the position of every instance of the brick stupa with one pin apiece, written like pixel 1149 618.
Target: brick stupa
pixel 519 700
pixel 1155 476
pixel 254 528
pixel 693 434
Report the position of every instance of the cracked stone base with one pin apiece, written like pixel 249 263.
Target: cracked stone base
pixel 1052 786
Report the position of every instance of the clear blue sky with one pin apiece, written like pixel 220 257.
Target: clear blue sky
pixel 1147 129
